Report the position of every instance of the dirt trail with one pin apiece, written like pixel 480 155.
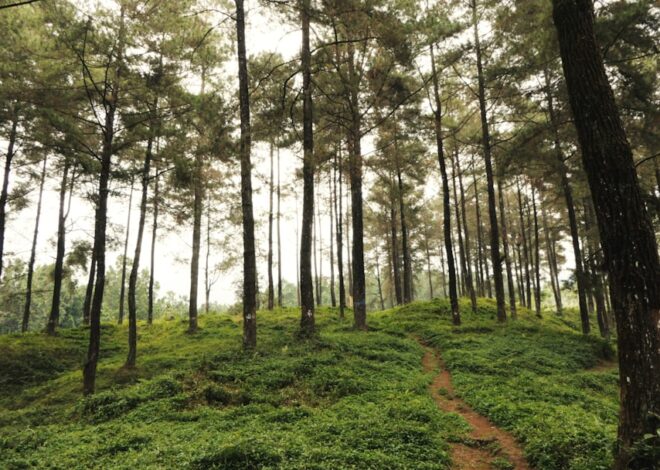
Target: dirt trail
pixel 488 441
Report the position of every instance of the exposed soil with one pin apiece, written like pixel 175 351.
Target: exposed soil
pixel 487 441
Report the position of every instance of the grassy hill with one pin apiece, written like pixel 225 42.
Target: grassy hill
pixel 346 399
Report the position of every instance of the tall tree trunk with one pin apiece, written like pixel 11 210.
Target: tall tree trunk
pixel 339 229
pixel 428 266
pixel 505 246
pixel 348 249
pixel 468 261
pixel 442 272
pixel 405 248
pixel 570 206
pixel 459 232
pixel 552 260
pixel 395 251
pixel 58 271
pixel 315 257
pixel 527 299
pixel 333 297
pixel 492 212
pixel 198 196
pixel 629 244
pixel 122 288
pixel 279 234
pixel 307 320
pixel 4 195
pixel 154 238
pixel 437 115
pixel 480 243
pixel 89 291
pixel 33 251
pixel 249 254
pixel 271 191
pixel 537 257
pixel 319 299
pixel 135 268
pixel 207 257
pixel 593 268
pixel 380 287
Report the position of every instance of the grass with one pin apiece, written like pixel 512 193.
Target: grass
pixel 345 399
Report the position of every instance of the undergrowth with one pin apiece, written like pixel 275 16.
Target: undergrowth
pixel 344 399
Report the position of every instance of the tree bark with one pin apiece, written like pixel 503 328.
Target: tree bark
pixel 398 294
pixel 629 244
pixel 122 288
pixel 4 195
pixel 405 248
pixel 570 206
pixel 552 260
pixel 468 261
pixel 271 191
pixel 89 291
pixel 527 299
pixel 333 297
pixel 249 254
pixel 198 196
pixel 154 238
pixel 279 234
pixel 380 287
pixel 58 271
pixel 437 115
pixel 135 268
pixel 33 251
pixel 505 246
pixel 339 230
pixel 307 320
pixel 537 257
pixel 492 211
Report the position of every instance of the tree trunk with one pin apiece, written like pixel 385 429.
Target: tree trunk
pixel 249 255
pixel 395 252
pixel 480 243
pixel 58 271
pixel 152 263
pixel 552 260
pixel 437 114
pixel 89 291
pixel 135 268
pixel 271 191
pixel 570 206
pixel 428 266
pixel 333 297
pixel 492 212
pixel 307 320
pixel 626 234
pixel 198 196
pixel 122 288
pixel 527 299
pixel 4 195
pixel 468 261
pixel 207 258
pixel 537 257
pixel 279 234
pixel 348 250
pixel 405 248
pixel 505 246
pixel 339 230
pixel 380 287
pixel 33 251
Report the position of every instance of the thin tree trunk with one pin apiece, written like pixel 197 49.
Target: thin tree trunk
pixel 154 238
pixel 492 212
pixel 437 114
pixel 135 268
pixel 58 272
pixel 459 232
pixel 122 288
pixel 339 229
pixel 552 260
pixel 527 300
pixel 466 231
pixel 89 291
pixel 198 195
pixel 348 249
pixel 570 206
pixel 271 191
pixel 505 246
pixel 537 256
pixel 380 287
pixel 428 266
pixel 333 297
pixel 249 254
pixel 279 234
pixel 33 251
pixel 480 243
pixel 307 320
pixel 405 248
pixel 207 258
pixel 4 195
pixel 629 244
pixel 395 251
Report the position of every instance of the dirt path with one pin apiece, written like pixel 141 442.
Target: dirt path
pixel 488 444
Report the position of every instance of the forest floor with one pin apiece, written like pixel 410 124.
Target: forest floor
pixel 412 392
